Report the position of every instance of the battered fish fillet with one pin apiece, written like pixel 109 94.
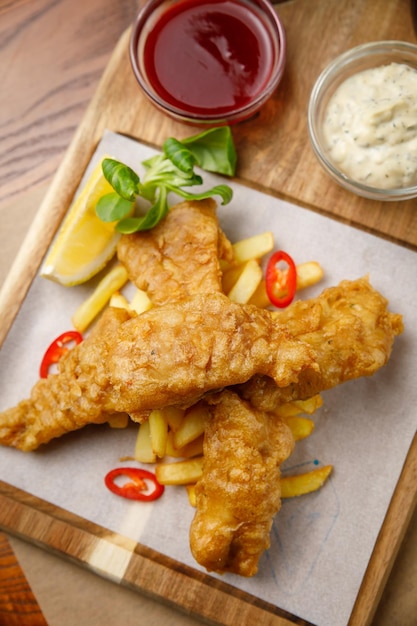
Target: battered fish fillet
pixel 195 342
pixel 47 414
pixel 239 493
pixel 180 256
pixel 351 332
pixel 170 355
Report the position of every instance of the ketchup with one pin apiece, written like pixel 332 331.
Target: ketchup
pixel 209 56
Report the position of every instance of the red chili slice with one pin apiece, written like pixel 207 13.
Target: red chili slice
pixel 138 487
pixel 277 281
pixel 57 349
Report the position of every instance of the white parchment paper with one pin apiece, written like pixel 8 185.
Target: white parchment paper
pixel 321 543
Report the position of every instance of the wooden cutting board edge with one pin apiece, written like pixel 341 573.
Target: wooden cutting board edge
pixel 133 565
pixel 120 559
pixel 97 118
pixel 400 511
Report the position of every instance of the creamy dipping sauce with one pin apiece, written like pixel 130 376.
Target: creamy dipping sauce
pixel 370 126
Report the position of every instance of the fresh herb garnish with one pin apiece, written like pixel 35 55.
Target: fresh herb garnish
pixel 212 150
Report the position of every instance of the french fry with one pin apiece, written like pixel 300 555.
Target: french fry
pixel 143 447
pixel 300 484
pixel 246 284
pixel 173 416
pixel 253 247
pixel 286 410
pixel 259 297
pixel 308 274
pixel 301 427
pixel 121 420
pixel 119 301
pixel 230 276
pixel 180 472
pixel 140 302
pixel 297 407
pixel 194 448
pixel 310 405
pixel 158 430
pixel 192 498
pixel 91 307
pixel 192 426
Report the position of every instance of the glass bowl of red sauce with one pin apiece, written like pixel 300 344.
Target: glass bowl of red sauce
pixel 208 62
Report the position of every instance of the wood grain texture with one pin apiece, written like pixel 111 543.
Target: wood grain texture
pixel 18 605
pixel 57 60
pixel 144 569
pixel 158 576
pixel 389 540
pixel 274 151
pixel 274 156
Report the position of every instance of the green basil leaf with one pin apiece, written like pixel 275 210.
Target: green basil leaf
pixel 112 207
pixel 172 179
pixel 179 155
pixel 161 170
pixel 214 150
pixel 154 161
pixel 122 178
pixel 224 191
pixel 151 218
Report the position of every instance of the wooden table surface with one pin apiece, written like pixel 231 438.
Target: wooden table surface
pixel 52 56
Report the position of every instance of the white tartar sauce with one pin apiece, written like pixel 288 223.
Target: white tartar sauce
pixel 370 126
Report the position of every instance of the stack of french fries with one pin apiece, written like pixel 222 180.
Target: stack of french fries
pixel 173 433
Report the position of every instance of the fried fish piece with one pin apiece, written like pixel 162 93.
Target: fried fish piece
pixel 180 256
pixel 351 331
pixel 170 355
pixel 239 492
pixel 48 414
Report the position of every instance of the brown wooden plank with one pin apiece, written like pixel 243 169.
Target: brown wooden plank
pixel 145 570
pixel 274 150
pixel 274 155
pixel 53 54
pixel 133 565
pixel 402 505
pixel 18 605
pixel 285 165
pixel 317 31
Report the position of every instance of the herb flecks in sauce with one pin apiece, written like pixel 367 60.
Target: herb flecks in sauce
pixel 370 126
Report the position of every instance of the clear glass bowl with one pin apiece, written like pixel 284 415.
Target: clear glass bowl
pixel 151 14
pixel 370 55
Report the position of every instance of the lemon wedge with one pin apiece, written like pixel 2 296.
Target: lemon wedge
pixel 84 244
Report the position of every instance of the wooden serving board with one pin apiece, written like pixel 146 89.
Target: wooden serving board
pixel 274 156
pixel 17 601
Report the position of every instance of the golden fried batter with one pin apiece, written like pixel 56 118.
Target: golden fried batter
pixel 170 355
pixel 176 353
pixel 351 332
pixel 239 493
pixel 180 256
pixel 196 343
pixel 66 401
